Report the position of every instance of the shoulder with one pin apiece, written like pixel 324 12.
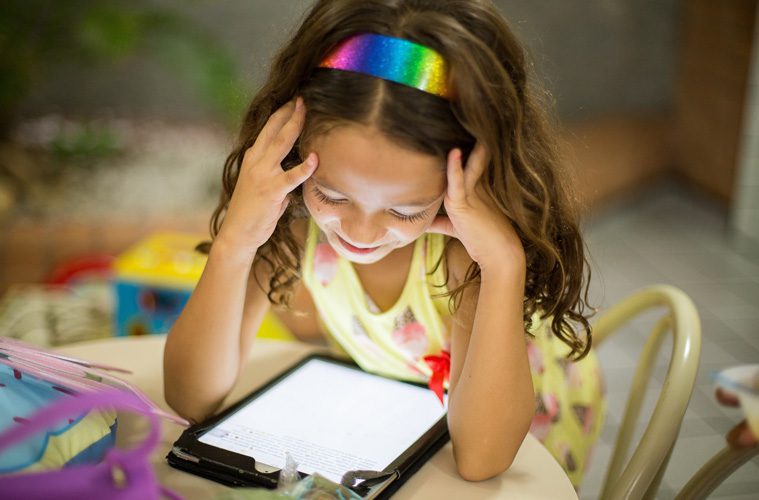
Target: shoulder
pixel 458 261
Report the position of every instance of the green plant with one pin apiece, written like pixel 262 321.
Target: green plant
pixel 34 33
pixel 89 140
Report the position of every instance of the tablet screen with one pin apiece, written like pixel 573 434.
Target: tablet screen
pixel 331 418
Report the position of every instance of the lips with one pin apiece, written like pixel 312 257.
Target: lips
pixel 356 250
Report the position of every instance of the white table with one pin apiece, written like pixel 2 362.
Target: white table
pixel 533 475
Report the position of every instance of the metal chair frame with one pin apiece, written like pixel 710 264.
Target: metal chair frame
pixel 640 476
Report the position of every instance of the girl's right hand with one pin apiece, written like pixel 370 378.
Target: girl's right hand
pixel 261 194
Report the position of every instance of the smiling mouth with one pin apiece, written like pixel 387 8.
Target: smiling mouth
pixel 356 250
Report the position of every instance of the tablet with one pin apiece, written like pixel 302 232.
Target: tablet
pixel 332 417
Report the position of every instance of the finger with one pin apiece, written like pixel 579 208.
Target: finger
pixel 298 174
pixel 283 142
pixel 456 192
pixel 442 225
pixel 475 165
pixel 741 436
pixel 726 398
pixel 272 127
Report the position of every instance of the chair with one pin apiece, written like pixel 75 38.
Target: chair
pixel 640 476
pixel 716 470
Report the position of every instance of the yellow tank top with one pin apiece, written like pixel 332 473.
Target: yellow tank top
pixel 392 342
pixel 569 395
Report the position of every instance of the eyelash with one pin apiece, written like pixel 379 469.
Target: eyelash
pixel 405 218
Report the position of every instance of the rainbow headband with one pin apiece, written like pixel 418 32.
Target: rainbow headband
pixel 391 59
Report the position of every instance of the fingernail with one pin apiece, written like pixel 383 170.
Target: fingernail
pixel 298 103
pixel 311 160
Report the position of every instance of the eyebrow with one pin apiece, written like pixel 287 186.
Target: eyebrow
pixel 415 203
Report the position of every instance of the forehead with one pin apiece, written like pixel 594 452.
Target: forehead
pixel 365 164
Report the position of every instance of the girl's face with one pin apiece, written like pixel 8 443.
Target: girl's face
pixel 370 196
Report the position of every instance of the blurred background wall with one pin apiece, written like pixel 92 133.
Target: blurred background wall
pixel 597 57
pixel 124 111
pixel 611 66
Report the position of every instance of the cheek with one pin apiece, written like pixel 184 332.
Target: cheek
pixel 405 232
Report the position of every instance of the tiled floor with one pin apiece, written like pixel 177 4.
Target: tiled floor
pixel 670 235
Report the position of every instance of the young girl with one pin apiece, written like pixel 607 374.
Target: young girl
pixel 396 191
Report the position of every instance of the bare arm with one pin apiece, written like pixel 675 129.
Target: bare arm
pixel 491 398
pixel 204 349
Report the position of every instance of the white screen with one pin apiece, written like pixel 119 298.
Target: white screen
pixel 331 419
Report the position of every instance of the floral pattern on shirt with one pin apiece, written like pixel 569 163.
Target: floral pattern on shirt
pixel 585 415
pixel 410 335
pixel 325 263
pixel 566 458
pixel 546 414
pixel 571 372
pixel 535 357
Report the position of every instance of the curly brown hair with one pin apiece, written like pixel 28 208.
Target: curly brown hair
pixel 494 103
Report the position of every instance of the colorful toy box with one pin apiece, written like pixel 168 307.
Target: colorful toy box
pixel 154 279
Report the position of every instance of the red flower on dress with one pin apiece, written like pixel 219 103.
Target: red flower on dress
pixel 441 371
pixel 325 263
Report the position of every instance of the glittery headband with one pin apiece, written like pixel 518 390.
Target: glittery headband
pixel 391 59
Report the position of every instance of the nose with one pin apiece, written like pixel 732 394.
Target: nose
pixel 362 231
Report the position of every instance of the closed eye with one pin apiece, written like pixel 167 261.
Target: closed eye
pixel 323 198
pixel 410 218
pixel 326 199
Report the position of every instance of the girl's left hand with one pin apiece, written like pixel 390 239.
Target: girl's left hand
pixel 473 217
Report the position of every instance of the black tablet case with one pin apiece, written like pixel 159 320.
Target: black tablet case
pixel 213 464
